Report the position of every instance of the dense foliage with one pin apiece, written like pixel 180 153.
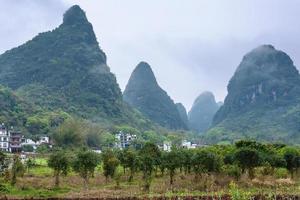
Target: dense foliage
pixel 221 168
pixel 244 158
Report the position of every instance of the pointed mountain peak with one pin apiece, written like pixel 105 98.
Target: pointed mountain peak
pixel 206 96
pixel 265 52
pixel 75 15
pixel 202 112
pixel 143 92
pixel 143 67
pixel 266 46
pixel 144 74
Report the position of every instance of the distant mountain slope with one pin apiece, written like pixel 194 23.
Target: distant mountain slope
pixel 182 112
pixel 263 100
pixel 202 112
pixel 66 69
pixel 144 93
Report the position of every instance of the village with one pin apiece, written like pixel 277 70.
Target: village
pixel 13 141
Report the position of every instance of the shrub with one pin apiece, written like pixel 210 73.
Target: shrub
pixel 281 173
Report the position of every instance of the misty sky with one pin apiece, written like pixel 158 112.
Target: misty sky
pixel 192 45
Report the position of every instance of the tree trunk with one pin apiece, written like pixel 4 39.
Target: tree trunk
pixel 251 173
pixel 13 179
pixel 171 177
pixel 57 179
pixel 131 176
pixel 86 182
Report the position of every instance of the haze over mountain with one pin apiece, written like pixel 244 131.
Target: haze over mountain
pixel 203 110
pixel 144 93
pixel 263 100
pixel 64 69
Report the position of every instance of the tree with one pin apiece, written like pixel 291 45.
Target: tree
pixel 153 137
pixel 292 158
pixel 3 162
pixel 204 161
pixel 276 161
pixel 110 163
pixel 247 158
pixel 131 162
pixel 186 160
pixel 43 149
pixel 27 148
pixel 172 162
pixel 37 125
pixel 149 157
pixel 163 162
pixel 29 164
pixel 93 139
pixel 60 163
pixel 70 134
pixel 94 136
pixel 107 139
pixel 85 164
pixel 17 169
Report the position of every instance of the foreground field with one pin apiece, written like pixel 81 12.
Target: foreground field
pixel 38 182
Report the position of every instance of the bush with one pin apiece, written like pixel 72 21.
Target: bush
pixel 27 148
pixel 233 171
pixel 281 173
pixel 3 189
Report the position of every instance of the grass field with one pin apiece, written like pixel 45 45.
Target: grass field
pixel 39 182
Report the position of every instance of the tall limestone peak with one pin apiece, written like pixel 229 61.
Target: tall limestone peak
pixel 182 112
pixel 143 76
pixel 64 69
pixel 143 93
pixel 75 15
pixel 263 98
pixel 265 76
pixel 202 112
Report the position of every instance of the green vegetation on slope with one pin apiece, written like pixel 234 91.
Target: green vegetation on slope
pixel 263 100
pixel 63 72
pixel 65 69
pixel 144 93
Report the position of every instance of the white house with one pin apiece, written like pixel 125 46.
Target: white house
pixel 188 145
pixel 167 146
pixel 29 142
pixel 124 140
pixel 43 140
pixel 4 138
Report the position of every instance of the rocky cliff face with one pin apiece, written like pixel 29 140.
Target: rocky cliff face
pixel 202 112
pixel 263 99
pixel 144 93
